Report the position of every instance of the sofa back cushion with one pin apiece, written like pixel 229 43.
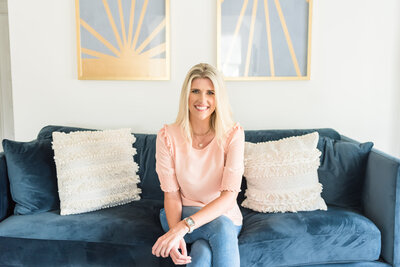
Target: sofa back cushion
pixel 32 176
pixel 146 149
pixel 342 171
pixel 6 203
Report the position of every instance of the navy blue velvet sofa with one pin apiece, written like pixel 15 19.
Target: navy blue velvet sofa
pixel 360 228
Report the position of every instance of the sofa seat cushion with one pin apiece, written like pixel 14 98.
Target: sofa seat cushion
pixel 308 237
pixel 130 224
pixel 36 252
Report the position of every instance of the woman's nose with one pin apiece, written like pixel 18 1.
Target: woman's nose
pixel 204 96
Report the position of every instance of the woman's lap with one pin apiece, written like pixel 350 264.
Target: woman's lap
pixel 216 239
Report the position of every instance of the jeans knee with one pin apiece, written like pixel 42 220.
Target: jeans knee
pixel 224 229
pixel 202 247
pixel 201 253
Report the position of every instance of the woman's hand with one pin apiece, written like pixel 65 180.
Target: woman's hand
pixel 180 258
pixel 170 242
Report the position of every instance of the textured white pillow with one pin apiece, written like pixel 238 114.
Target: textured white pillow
pixel 95 169
pixel 282 175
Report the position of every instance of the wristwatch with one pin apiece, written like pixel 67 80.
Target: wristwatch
pixel 189 223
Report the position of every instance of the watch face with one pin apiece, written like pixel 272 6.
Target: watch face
pixel 190 221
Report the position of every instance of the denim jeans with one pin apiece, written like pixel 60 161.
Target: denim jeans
pixel 213 244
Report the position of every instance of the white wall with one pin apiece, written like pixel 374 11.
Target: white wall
pixel 6 111
pixel 354 86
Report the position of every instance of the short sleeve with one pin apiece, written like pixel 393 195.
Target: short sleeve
pixel 234 164
pixel 165 166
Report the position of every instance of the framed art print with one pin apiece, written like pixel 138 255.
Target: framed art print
pixel 264 39
pixel 123 39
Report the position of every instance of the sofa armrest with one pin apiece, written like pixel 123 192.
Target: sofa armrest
pixel 381 201
pixel 5 196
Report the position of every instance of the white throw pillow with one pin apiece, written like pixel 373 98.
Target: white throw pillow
pixel 282 175
pixel 95 169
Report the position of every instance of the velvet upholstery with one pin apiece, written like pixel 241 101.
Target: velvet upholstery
pixel 255 136
pixel 132 223
pixel 36 252
pixel 336 235
pixel 32 175
pixel 342 171
pixel 353 264
pixel 47 131
pixel 6 205
pixel 381 201
pixel 146 149
pixel 79 253
pixel 118 236
pixel 287 237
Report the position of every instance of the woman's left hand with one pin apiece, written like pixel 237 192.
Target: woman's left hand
pixel 169 240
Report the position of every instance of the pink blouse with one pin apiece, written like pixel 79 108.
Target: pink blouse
pixel 201 174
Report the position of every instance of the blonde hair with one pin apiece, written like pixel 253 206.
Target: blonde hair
pixel 221 120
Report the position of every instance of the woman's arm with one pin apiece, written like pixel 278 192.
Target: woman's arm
pixel 209 212
pixel 173 207
pixel 168 244
pixel 215 208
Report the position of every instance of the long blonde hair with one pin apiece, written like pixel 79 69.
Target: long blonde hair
pixel 221 120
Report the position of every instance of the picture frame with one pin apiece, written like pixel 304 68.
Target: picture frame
pixel 123 39
pixel 264 39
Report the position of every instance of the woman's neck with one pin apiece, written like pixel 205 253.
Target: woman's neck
pixel 200 127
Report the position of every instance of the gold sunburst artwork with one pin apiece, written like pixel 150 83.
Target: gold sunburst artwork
pixel 264 39
pixel 123 39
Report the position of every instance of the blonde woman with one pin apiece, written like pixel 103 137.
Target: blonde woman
pixel 199 161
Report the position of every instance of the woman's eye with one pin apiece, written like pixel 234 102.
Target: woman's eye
pixel 211 92
pixel 195 91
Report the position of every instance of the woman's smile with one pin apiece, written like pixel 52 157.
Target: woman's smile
pixel 201 108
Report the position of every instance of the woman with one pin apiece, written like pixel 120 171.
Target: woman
pixel 199 161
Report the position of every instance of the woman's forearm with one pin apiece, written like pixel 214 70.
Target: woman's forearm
pixel 173 208
pixel 215 208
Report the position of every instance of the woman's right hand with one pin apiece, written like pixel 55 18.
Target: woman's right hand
pixel 180 258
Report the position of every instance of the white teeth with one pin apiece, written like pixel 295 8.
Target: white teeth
pixel 201 108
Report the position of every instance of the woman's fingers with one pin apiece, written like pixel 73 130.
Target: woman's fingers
pixel 178 258
pixel 164 244
pixel 163 252
pixel 182 246
pixel 156 250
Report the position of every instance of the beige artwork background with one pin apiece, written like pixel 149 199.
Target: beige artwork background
pixel 129 62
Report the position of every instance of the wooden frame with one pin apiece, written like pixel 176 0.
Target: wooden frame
pixel 264 39
pixel 123 39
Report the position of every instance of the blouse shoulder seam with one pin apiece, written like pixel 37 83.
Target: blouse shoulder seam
pixel 167 138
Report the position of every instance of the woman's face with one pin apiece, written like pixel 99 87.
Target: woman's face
pixel 201 99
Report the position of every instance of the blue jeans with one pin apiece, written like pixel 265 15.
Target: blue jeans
pixel 213 244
